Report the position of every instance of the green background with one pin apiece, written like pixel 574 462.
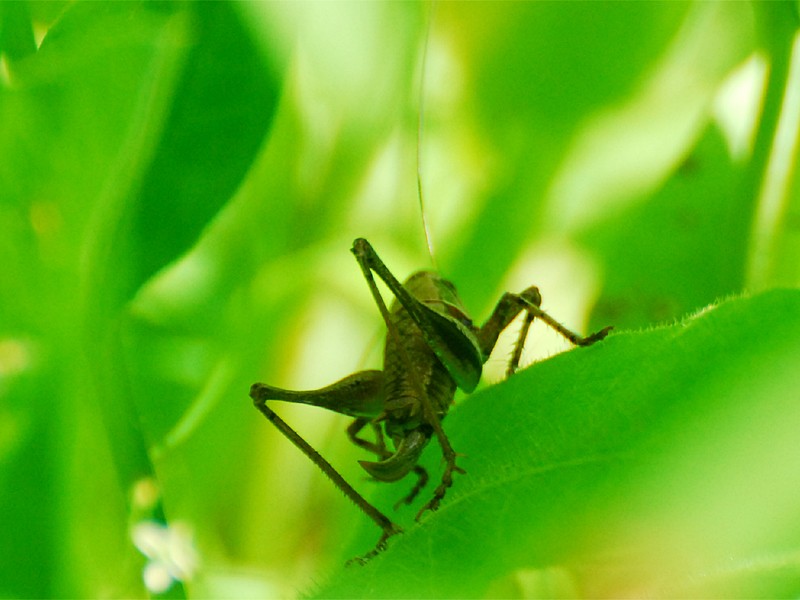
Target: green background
pixel 180 184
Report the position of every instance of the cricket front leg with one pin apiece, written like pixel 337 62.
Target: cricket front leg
pixel 422 480
pixel 446 483
pixel 378 447
pixel 450 340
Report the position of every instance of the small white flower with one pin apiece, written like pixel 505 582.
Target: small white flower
pixel 170 551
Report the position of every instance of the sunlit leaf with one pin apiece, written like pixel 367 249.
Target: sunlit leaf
pixel 667 457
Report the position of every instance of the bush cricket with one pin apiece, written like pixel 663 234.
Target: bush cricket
pixel 432 347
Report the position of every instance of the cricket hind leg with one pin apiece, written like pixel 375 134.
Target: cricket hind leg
pixel 260 393
pixel 379 448
pixel 359 394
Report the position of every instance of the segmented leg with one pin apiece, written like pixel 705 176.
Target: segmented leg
pixel 507 309
pixel 441 490
pixel 379 547
pixel 378 447
pixel 368 260
pixel 260 394
pixel 513 364
pixel 422 481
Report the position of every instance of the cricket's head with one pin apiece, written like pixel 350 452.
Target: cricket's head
pixel 439 294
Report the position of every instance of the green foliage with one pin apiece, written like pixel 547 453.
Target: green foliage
pixel 179 187
pixel 648 460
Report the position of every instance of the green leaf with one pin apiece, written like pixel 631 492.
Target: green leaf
pixel 660 462
pixel 16 32
pixel 223 106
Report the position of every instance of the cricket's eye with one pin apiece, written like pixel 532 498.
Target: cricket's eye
pixel 448 285
pixel 459 316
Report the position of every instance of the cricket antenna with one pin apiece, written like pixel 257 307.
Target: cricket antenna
pixel 420 122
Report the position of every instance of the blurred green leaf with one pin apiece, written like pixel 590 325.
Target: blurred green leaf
pixel 16 32
pixel 224 103
pixel 541 71
pixel 94 118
